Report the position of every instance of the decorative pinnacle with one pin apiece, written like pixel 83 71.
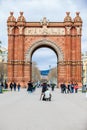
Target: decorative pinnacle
pixel 68 13
pixel 11 13
pixel 77 13
pixel 44 22
pixel 21 13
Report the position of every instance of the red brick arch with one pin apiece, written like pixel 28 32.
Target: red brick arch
pixel 44 43
pixel 64 38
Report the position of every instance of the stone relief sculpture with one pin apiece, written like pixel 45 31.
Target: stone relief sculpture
pixel 78 30
pixel 10 29
pixel 44 30
pixel 68 30
pixel 20 30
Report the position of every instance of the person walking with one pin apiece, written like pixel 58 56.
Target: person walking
pixel 69 88
pixel 18 86
pixel 76 87
pixel 30 86
pixel 53 86
pixel 63 88
pixel 14 85
pixel 72 87
pixel 11 86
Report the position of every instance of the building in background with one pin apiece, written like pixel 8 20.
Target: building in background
pixel 3 54
pixel 3 63
pixel 84 68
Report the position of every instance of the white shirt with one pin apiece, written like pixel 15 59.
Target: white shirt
pixel 47 94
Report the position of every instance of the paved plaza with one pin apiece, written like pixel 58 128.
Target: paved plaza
pixel 25 111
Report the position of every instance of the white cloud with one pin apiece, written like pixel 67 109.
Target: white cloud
pixel 45 57
pixel 35 10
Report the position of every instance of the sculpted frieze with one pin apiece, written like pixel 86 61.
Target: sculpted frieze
pixel 44 31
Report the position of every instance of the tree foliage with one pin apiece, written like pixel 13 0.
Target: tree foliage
pixel 35 72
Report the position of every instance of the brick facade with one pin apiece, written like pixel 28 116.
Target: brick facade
pixel 62 37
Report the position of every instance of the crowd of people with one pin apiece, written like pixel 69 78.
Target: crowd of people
pixel 69 88
pixel 46 94
pixel 15 86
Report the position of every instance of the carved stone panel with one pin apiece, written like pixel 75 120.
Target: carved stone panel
pixel 20 30
pixel 44 31
pixel 10 30
pixel 78 30
pixel 68 30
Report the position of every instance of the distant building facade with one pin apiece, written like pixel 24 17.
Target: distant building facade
pixel 3 63
pixel 84 68
pixel 64 38
pixel 3 55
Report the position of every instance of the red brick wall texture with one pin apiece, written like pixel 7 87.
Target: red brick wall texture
pixel 62 37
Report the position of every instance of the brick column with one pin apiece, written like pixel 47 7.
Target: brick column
pixel 11 21
pixel 10 57
pixel 20 48
pixel 73 50
pixel 16 58
pixel 21 58
pixel 61 72
pixel 68 53
pixel 78 26
pixel 27 71
pixel 78 58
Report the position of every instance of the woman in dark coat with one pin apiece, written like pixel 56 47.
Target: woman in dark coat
pixel 30 86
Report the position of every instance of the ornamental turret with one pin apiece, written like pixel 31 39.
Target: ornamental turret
pixel 21 20
pixel 78 23
pixel 11 20
pixel 77 20
pixel 68 19
pixel 68 23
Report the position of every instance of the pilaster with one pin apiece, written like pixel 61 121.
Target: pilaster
pixel 11 30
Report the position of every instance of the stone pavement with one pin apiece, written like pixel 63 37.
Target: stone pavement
pixel 25 111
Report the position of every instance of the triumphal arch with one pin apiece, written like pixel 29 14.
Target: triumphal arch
pixel 64 38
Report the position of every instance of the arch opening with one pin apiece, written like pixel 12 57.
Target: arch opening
pixel 40 44
pixel 44 43
pixel 44 65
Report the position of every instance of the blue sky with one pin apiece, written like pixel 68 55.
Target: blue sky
pixel 45 57
pixel 35 10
